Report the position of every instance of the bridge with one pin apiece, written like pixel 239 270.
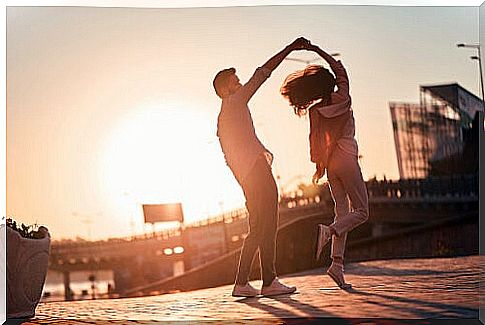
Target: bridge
pixel 421 213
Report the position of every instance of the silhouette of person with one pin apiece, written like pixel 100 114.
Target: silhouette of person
pixel 333 148
pixel 250 162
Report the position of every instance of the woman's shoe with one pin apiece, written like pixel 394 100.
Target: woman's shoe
pixel 336 272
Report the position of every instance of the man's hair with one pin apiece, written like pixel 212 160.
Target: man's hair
pixel 220 80
pixel 303 87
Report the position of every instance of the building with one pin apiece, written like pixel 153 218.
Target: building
pixel 431 137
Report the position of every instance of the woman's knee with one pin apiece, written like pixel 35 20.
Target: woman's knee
pixel 341 209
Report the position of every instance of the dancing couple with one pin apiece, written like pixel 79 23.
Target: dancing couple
pixel 333 149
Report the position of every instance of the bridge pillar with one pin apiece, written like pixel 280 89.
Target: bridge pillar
pixel 186 245
pixel 67 287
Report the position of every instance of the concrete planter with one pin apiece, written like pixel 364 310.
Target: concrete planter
pixel 27 262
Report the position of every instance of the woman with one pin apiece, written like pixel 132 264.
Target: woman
pixel 333 148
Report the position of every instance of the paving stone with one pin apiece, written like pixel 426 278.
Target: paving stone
pixel 398 289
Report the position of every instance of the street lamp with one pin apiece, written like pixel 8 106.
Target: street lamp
pixel 92 277
pixel 132 213
pixel 476 57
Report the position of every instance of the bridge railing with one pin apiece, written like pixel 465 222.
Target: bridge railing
pixel 442 186
pixel 459 185
pixel 456 185
pixel 227 217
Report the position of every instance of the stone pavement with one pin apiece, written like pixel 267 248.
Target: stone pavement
pixel 444 288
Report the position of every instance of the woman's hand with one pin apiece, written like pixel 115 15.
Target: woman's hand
pixel 311 47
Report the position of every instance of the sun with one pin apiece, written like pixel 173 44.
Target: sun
pixel 164 154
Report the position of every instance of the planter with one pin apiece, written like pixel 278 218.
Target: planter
pixel 27 262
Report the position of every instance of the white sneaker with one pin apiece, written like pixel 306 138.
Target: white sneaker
pixel 323 237
pixel 244 290
pixel 277 288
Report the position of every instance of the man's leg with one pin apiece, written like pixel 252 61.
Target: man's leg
pixel 268 210
pixel 251 242
pixel 268 207
pixel 246 258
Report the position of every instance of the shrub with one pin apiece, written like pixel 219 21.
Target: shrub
pixel 30 231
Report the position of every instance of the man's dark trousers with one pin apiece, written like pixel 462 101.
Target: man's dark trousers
pixel 261 194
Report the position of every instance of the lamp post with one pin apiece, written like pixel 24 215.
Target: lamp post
pixel 476 57
pixel 132 213
pixel 92 278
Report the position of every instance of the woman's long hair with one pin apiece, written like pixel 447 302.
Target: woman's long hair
pixel 303 87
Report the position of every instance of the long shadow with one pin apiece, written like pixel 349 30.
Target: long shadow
pixel 372 270
pixel 417 311
pixel 379 270
pixel 315 311
pixel 275 311
pixel 318 316
pixel 304 307
pixel 313 272
pixel 419 305
pixel 310 312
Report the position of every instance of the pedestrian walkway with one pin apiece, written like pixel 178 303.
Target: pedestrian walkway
pixel 396 289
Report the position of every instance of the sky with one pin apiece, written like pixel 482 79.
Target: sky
pixel 111 108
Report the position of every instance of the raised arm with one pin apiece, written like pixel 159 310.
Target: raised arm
pixel 327 57
pixel 262 73
pixel 300 43
pixel 341 77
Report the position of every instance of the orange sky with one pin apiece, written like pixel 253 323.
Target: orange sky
pixel 110 108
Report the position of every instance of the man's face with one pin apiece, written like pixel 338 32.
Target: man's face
pixel 233 83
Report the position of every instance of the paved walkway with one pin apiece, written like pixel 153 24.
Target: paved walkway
pixel 396 289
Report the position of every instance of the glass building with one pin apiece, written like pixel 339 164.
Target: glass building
pixel 430 136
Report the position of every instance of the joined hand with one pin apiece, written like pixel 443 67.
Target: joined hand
pixel 300 43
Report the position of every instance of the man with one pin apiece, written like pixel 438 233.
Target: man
pixel 250 163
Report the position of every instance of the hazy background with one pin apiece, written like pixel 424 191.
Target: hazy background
pixel 109 108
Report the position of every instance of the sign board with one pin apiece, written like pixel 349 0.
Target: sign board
pixel 163 212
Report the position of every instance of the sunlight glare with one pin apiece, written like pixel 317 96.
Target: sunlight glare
pixel 164 154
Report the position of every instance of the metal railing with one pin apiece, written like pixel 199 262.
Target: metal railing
pixel 450 186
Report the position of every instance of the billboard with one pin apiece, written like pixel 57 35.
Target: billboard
pixel 163 212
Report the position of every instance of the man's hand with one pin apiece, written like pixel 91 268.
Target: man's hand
pixel 315 178
pixel 300 43
pixel 318 174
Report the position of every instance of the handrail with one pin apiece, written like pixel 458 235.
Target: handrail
pixel 432 187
